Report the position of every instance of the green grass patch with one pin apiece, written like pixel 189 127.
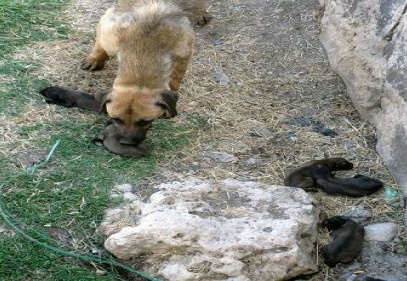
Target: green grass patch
pixel 25 22
pixel 18 85
pixel 18 264
pixel 71 192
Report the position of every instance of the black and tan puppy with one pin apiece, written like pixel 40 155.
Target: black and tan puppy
pixel 357 186
pixel 347 240
pixel 153 40
pixel 302 176
pixel 108 138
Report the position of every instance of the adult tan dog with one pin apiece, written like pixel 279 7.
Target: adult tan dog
pixel 153 40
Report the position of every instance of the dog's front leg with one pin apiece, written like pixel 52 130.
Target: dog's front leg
pixel 69 98
pixel 96 59
pixel 106 44
pixel 180 67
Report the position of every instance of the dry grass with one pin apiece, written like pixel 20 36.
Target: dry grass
pixel 278 72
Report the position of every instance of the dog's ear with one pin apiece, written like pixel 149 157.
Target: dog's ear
pixel 168 101
pixel 102 97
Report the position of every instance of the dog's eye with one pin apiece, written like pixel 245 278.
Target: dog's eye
pixel 143 122
pixel 118 120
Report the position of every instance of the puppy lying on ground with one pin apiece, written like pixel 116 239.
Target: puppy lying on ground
pixel 347 240
pixel 357 186
pixel 69 98
pixel 367 278
pixel 153 40
pixel 302 176
pixel 108 138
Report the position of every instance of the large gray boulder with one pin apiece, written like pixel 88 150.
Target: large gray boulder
pixel 228 230
pixel 366 44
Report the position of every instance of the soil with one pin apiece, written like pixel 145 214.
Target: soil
pixel 261 83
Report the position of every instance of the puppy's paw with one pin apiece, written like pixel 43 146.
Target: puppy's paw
pixel 58 95
pixel 99 138
pixel 92 64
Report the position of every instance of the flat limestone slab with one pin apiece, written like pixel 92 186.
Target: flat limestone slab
pixel 227 230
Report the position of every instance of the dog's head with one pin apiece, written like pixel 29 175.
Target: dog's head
pixel 134 110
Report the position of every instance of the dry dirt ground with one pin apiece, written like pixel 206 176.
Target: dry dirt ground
pixel 261 82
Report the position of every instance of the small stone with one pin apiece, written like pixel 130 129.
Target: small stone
pixel 250 162
pixel 391 195
pixel 218 42
pixel 221 157
pixel 300 121
pixel 100 272
pixel 381 231
pixel 124 187
pixel 357 213
pixel 261 132
pixel 128 196
pixel 221 77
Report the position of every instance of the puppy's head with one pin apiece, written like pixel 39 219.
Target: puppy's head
pixel 334 222
pixel 134 110
pixel 336 164
pixel 108 138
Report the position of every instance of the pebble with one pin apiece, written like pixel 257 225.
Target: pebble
pixel 357 213
pixel 221 157
pixel 384 232
pixel 391 195
pixel 250 162
pixel 124 187
pixel 128 196
pixel 221 77
pixel 261 132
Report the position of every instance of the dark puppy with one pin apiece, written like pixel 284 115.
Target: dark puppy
pixel 109 138
pixel 367 278
pixel 357 186
pixel 69 98
pixel 347 240
pixel 302 177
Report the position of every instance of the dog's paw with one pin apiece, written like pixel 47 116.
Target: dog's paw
pixel 58 95
pixel 204 19
pixel 92 64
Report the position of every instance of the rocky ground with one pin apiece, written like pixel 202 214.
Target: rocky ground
pixel 261 84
